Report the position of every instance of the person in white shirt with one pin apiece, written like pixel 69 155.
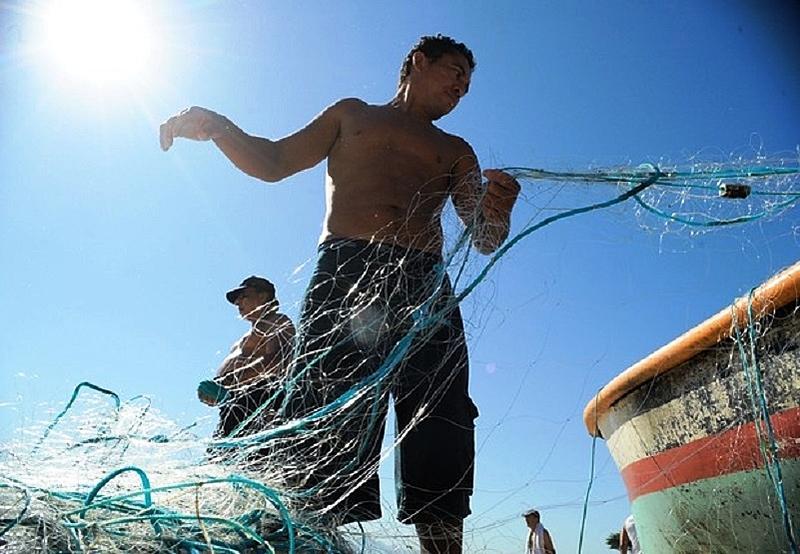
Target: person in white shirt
pixel 628 538
pixel 539 541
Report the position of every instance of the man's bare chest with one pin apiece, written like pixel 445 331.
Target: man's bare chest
pixel 393 143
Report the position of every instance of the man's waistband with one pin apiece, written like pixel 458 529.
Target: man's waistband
pixel 377 251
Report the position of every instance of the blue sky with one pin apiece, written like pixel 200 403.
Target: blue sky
pixel 115 255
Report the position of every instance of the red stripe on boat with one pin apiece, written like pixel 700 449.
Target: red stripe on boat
pixel 728 452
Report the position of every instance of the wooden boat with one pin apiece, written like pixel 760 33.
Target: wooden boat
pixel 706 430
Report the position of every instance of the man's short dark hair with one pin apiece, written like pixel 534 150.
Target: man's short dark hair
pixel 434 47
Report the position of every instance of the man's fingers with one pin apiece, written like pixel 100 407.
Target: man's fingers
pixel 165 134
pixel 501 193
pixel 179 126
pixel 187 124
pixel 495 177
pixel 193 123
pixel 503 189
pixel 510 187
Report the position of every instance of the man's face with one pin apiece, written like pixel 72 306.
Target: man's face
pixel 444 82
pixel 250 303
pixel 532 521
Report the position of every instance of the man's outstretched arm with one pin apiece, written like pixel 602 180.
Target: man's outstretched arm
pixel 260 157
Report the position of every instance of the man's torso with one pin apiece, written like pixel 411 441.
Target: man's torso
pixel 264 350
pixel 389 176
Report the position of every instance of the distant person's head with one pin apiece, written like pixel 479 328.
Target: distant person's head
pixel 531 518
pixel 253 297
pixel 438 69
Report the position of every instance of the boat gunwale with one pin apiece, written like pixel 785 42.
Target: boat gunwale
pixel 780 290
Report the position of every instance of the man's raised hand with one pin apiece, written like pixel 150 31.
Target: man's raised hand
pixel 501 193
pixel 194 123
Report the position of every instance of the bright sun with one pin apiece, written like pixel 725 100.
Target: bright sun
pixel 101 42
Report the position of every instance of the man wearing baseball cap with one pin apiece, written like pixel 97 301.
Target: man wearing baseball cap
pixel 539 541
pixel 257 362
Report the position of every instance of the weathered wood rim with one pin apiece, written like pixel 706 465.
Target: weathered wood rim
pixel 780 290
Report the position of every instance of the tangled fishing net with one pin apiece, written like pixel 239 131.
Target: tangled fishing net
pixel 754 339
pixel 107 475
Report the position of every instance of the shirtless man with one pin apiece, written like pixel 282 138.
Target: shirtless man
pixel 257 363
pixel 390 171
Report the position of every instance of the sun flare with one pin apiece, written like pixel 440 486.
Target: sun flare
pixel 101 42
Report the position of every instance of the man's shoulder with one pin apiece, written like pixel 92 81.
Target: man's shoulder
pixel 349 105
pixel 457 143
pixel 462 154
pixel 283 320
pixel 273 322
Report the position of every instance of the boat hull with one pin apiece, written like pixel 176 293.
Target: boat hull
pixel 692 449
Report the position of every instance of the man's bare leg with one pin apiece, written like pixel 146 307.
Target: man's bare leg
pixel 443 537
